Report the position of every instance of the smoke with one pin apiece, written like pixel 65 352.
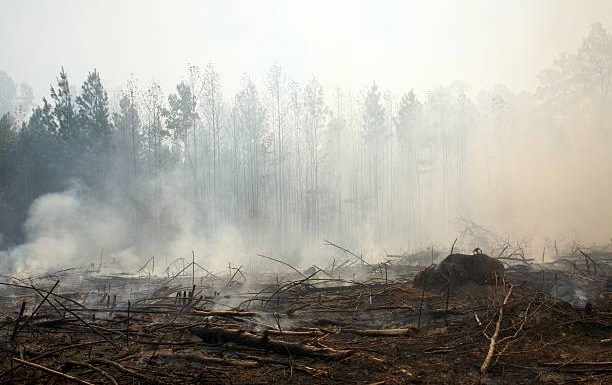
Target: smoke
pixel 528 187
pixel 66 229
pixel 75 228
pixel 553 181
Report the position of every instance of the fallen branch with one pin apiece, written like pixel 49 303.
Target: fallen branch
pixel 380 332
pixel 284 263
pixel 328 243
pixel 88 325
pixel 51 371
pixel 16 328
pixel 245 338
pixel 198 358
pixel 227 313
pixel 125 370
pixel 487 361
pixel 95 369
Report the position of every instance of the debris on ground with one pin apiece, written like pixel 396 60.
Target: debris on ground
pixel 347 323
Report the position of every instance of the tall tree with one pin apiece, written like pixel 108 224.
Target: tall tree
pixel 8 93
pixel 64 111
pixel 212 105
pixel 128 140
pixel 250 115
pixel 155 132
pixel 406 128
pixel 276 89
pixel 582 79
pixel 315 119
pixel 25 101
pixel 375 137
pixel 7 136
pixel 93 114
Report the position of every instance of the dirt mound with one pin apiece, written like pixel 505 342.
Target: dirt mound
pixel 458 269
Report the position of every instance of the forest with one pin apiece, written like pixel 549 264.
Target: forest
pixel 271 192
pixel 281 166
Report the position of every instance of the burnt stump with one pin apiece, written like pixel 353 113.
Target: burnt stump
pixel 459 269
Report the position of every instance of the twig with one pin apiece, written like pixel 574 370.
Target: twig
pixel 284 263
pixel 127 326
pixel 453 246
pixel 446 307
pixel 280 329
pixel 124 369
pixel 88 325
pixel 487 361
pixel 45 298
pixel 53 352
pixel 95 369
pixel 229 283
pixel 328 243
pixel 51 371
pixel 421 306
pixel 43 291
pixel 16 329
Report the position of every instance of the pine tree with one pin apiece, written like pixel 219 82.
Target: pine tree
pixel 7 93
pixel 93 115
pixel 179 114
pixel 64 109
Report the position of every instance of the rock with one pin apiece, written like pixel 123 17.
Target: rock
pixel 458 269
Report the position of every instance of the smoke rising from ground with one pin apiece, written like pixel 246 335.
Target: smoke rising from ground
pixel 278 166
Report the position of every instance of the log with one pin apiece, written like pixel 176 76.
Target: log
pixel 302 333
pixel 246 338
pixel 381 332
pixel 200 359
pixel 227 313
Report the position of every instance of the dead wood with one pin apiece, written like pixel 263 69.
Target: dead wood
pixel 328 243
pixel 45 299
pixel 16 328
pixel 227 313
pixel 459 269
pixel 381 332
pixel 201 359
pixel 484 368
pixel 125 370
pixel 242 337
pixel 371 316
pixel 282 262
pixel 95 369
pixel 88 325
pixel 51 371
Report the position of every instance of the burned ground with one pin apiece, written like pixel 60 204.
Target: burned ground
pixel 320 327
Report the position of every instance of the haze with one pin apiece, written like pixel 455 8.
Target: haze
pixel 401 44
pixel 236 128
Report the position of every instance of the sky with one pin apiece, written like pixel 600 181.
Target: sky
pixel 401 45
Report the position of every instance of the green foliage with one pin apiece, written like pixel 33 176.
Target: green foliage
pixel 7 133
pixel 373 116
pixel 179 115
pixel 93 115
pixel 63 110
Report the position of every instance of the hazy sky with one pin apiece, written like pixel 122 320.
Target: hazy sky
pixel 402 44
